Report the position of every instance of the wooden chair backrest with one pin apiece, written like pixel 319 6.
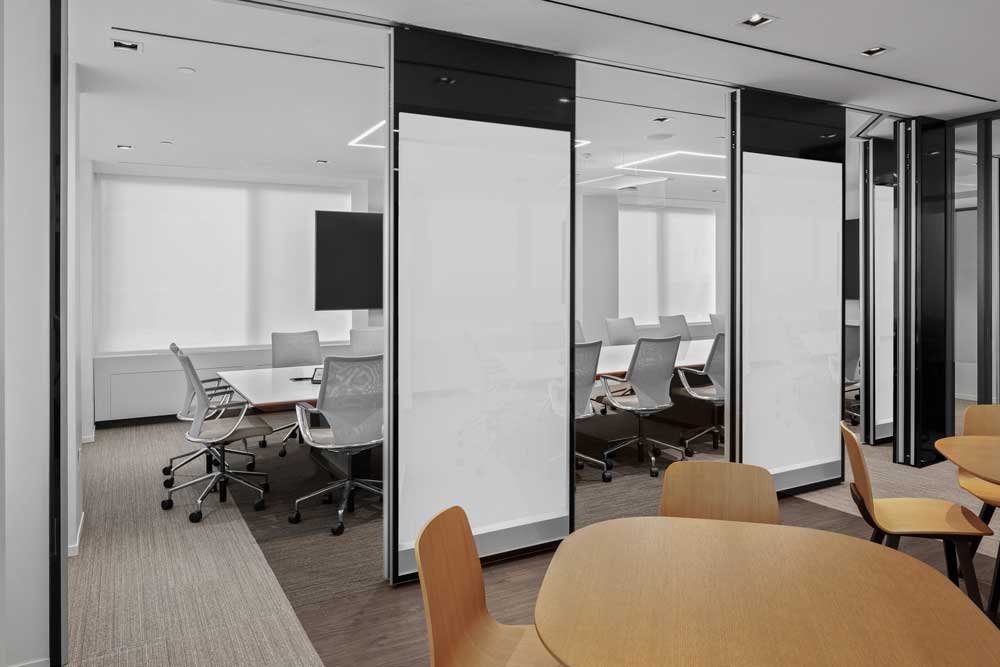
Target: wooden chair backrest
pixel 451 580
pixel 719 490
pixel 982 420
pixel 859 467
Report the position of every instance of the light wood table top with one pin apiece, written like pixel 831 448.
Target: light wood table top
pixel 668 591
pixel 614 359
pixel 976 454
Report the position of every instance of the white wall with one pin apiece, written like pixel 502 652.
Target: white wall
pixel 25 296
pixel 597 264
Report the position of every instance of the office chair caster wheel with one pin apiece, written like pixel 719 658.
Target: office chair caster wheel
pixel 266 486
pixel 215 463
pixel 579 465
pixel 654 472
pixel 167 504
pixel 194 517
pixel 251 466
pixel 166 470
pixel 656 451
pixel 294 517
pixel 283 453
pixel 327 499
pixel 606 476
pixel 168 482
pixel 262 444
pixel 604 411
pixel 338 529
pixel 688 452
pixel 259 505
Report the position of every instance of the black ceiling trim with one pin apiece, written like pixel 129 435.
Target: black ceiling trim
pixel 764 49
pixel 646 106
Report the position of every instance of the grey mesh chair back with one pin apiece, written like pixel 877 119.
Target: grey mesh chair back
pixel 584 375
pixel 369 341
pixel 578 332
pixel 196 405
pixel 621 330
pixel 651 370
pixel 852 352
pixel 350 398
pixel 715 365
pixel 674 325
pixel 718 323
pixel 297 348
pixel 187 411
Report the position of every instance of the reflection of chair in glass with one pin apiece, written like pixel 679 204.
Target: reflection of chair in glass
pixel 852 361
pixel 297 348
pixel 718 323
pixel 578 332
pixel 719 490
pixel 674 325
pixel 214 431
pixel 649 377
pixel 584 372
pixel 621 330
pixel 713 392
pixel 350 400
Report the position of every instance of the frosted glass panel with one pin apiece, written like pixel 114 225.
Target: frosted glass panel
pixel 884 233
pixel 207 263
pixel 483 330
pixel 792 367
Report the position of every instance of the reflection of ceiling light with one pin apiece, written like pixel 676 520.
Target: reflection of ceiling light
pixel 322 161
pixel 675 173
pixel 874 51
pixel 602 178
pixel 186 70
pixel 664 156
pixel 356 141
pixel 757 20
pixel 832 135
pixel 581 142
pixel 124 147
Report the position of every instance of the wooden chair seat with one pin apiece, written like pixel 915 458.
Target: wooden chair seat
pixel 494 644
pixel 927 516
pixel 988 492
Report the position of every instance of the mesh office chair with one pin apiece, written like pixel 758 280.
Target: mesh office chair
pixel 713 393
pixel 296 348
pixel 852 362
pixel 350 400
pixel 674 325
pixel 219 396
pixel 621 330
pixel 366 342
pixel 718 323
pixel 584 372
pixel 649 375
pixel 578 332
pixel 212 430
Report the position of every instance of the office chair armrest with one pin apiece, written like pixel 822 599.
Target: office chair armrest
pixel 608 394
pixel 243 407
pixel 303 411
pixel 682 372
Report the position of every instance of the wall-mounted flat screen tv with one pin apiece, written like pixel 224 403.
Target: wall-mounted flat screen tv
pixel 348 260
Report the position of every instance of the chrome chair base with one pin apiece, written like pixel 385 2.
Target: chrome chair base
pixel 217 480
pixel 348 485
pixel 581 459
pixel 212 459
pixel 656 448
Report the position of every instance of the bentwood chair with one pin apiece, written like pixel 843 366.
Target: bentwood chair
pixel 649 377
pixel 460 629
pixel 712 392
pixel 984 420
pixel 719 490
pixel 621 330
pixel 674 325
pixel 893 518
pixel 350 401
pixel 296 348
pixel 212 430
pixel 584 372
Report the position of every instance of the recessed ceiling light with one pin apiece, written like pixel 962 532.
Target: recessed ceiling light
pixel 715 189
pixel 581 142
pixel 356 141
pixel 662 119
pixel 757 19
pixel 832 135
pixel 322 161
pixel 659 136
pixel 564 100
pixel 186 70
pixel 167 142
pixel 124 147
pixel 123 45
pixel 720 137
pixel 629 165
pixel 874 51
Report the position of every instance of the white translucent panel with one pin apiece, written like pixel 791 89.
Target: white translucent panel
pixel 966 304
pixel 483 330
pixel 792 328
pixel 207 263
pixel 884 236
pixel 687 263
pixel 638 264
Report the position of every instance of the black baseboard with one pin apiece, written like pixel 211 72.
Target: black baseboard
pixel 135 421
pixel 806 488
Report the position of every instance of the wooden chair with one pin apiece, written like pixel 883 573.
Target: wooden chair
pixel 984 420
pixel 462 633
pixel 719 490
pixel 893 518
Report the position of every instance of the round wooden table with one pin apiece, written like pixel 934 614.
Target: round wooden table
pixel 976 454
pixel 660 591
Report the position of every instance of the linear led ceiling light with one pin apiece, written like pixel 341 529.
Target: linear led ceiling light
pixel 581 142
pixel 633 166
pixel 356 141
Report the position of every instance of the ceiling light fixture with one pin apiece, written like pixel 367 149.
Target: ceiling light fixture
pixel 322 161
pixel 874 51
pixel 581 142
pixel 124 147
pixel 564 100
pixel 757 19
pixel 356 141
pixel 122 45
pixel 662 119
pixel 167 142
pixel 676 173
pixel 186 70
pixel 629 165
pixel 832 135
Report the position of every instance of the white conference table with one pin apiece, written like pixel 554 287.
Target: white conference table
pixel 615 359
pixel 273 388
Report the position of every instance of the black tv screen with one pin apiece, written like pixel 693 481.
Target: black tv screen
pixel 348 260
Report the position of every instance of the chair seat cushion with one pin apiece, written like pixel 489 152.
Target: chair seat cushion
pixel 323 438
pixel 635 404
pixel 927 516
pixel 251 426
pixel 707 393
pixel 988 492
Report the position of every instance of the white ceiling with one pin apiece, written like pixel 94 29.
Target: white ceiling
pixel 243 111
pixel 948 45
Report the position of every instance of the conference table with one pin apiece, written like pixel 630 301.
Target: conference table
pixel 614 359
pixel 676 591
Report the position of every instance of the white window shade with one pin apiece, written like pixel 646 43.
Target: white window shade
pixel 206 264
